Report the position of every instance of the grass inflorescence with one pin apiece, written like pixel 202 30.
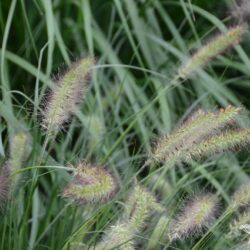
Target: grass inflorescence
pixel 214 48
pixel 90 184
pixel 197 213
pixel 66 94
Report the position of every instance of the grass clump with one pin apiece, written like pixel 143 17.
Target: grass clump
pixel 136 92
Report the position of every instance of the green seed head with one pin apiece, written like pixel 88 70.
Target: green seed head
pixel 215 47
pixel 66 95
pixel 191 134
pixel 196 215
pixel 241 196
pixel 231 140
pixel 90 184
pixel 20 146
pixel 139 206
pixel 242 220
pixel 119 236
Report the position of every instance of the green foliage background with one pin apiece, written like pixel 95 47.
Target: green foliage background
pixel 138 45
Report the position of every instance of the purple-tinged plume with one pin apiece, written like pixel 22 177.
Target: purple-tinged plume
pixel 90 184
pixel 196 215
pixel 66 95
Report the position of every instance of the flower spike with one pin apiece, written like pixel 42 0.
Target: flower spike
pixel 19 150
pixel 201 125
pixel 66 95
pixel 196 215
pixel 241 196
pixel 119 236
pixel 217 46
pixel 91 184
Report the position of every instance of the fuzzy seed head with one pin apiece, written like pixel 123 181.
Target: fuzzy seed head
pixel 231 140
pixel 139 206
pixel 66 95
pixel 240 221
pixel 241 196
pixel 215 47
pixel 119 236
pixel 91 184
pixel 242 12
pixel 137 209
pixel 195 216
pixel 197 128
pixel 20 146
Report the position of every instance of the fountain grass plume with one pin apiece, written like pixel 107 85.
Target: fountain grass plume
pixel 20 145
pixel 119 236
pixel 66 95
pixel 230 140
pixel 90 184
pixel 241 197
pixel 196 215
pixel 212 49
pixel 241 220
pixel 199 126
pixel 139 206
pixel 241 13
